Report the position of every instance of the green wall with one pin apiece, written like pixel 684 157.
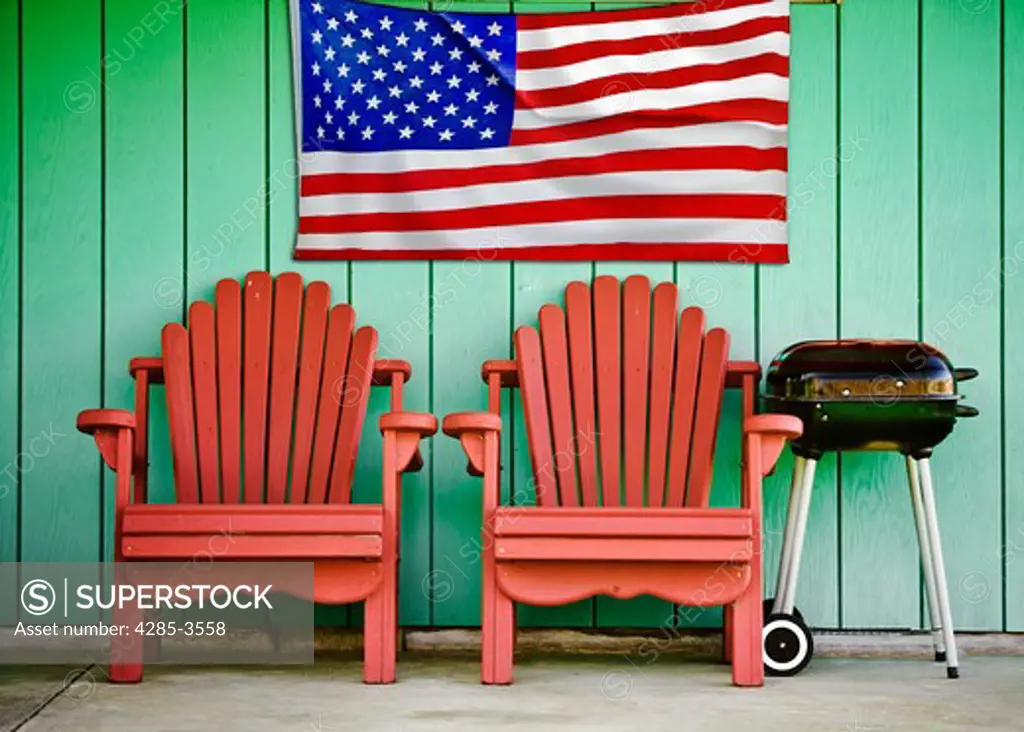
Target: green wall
pixel 129 186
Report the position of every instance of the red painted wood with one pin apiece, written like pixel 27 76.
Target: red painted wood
pixel 556 371
pixel 204 387
pixel 339 339
pixel 581 356
pixel 284 351
pixel 230 521
pixel 618 548
pixel 535 413
pixel 353 398
pixel 608 372
pixel 229 383
pixel 252 546
pixel 689 345
pixel 140 463
pixel 709 408
pixel 636 350
pixel 637 522
pixel 258 300
pixel 663 357
pixel 181 411
pixel 311 359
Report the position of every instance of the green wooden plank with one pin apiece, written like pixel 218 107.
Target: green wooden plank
pixel 144 240
pixel 62 200
pixel 646 611
pixel 960 172
pixel 535 284
pixel 798 300
pixel 10 304
pixel 226 116
pixel 876 159
pixel 471 323
pixel 1012 555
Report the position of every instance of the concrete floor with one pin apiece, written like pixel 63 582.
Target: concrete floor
pixel 594 693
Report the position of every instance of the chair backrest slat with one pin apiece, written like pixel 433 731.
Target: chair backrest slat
pixel 579 319
pixel 535 414
pixel 311 359
pixel 354 391
pixel 663 358
pixel 204 390
pixel 608 367
pixel 709 407
pixel 689 345
pixel 258 302
pixel 284 351
pixel 228 298
pixel 556 372
pixel 177 360
pixel 636 345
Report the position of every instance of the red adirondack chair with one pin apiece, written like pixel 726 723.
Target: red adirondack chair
pixel 267 390
pixel 621 398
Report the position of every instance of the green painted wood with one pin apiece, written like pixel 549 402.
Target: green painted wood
pixel 10 305
pixel 798 300
pixel 876 162
pixel 1011 553
pixel 61 270
pixel 960 169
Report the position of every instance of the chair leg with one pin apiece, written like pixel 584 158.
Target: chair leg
pixel 380 632
pixel 727 632
pixel 747 622
pixel 497 636
pixel 126 651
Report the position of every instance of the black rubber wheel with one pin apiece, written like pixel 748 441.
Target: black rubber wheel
pixel 766 609
pixel 787 645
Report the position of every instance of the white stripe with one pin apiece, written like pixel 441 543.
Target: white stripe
pixel 716 182
pixel 537 40
pixel 758 86
pixel 750 134
pixel 650 62
pixel 752 232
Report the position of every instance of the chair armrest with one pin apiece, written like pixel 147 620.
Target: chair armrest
pixel 407 429
pixel 153 364
pixel 506 369
pixel 385 368
pixel 772 431
pixel 736 370
pixel 106 426
pixel 470 429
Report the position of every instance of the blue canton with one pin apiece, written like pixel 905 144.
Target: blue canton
pixel 383 78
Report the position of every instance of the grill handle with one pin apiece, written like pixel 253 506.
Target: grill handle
pixel 965 374
pixel 962 410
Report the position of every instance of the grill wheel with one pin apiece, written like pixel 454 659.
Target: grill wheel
pixel 788 645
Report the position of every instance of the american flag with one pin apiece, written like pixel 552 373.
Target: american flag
pixel 653 133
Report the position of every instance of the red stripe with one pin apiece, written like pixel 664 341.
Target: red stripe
pixel 564 55
pixel 737 110
pixel 736 253
pixel 560 20
pixel 679 206
pixel 587 91
pixel 680 158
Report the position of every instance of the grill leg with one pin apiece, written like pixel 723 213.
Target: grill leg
pixel 926 559
pixel 787 600
pixel 941 589
pixel 786 555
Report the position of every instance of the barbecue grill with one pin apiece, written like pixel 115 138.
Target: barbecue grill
pixel 891 395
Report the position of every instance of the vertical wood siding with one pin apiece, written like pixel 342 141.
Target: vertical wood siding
pixel 147 149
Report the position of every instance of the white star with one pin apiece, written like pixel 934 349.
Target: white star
pixel 315 68
pixel 469 122
pixel 494 29
pixel 389 118
pixel 332 24
pixel 318 8
pixel 395 91
pixel 473 67
pixel 341 134
pixel 386 23
pixel 330 118
pixel 458 26
pixel 475 41
pixel 363 57
pixel 329 53
pixel 366 33
pixel 406 132
pixel 472 95
pixel 490 108
pixel 353 118
pixel 494 55
pixel 350 16
pixel 347 40
pixel 450 110
pixel 419 54
pixel 420 24
pixel 327 85
pixel 373 102
pixel 415 82
pixel 317 36
pixel 412 107
pixel 383 50
pixel 339 103
pixel 320 132
pixel 455 54
pixel 343 70
pixel 437 39
pixel 454 81
pixel 435 68
pixel 399 66
pixel 317 101
pixel 367 132
pixel 402 40
pixel 379 74
pixel 433 96
pixel 446 135
pixel 492 80
pixel 429 121
pixel 358 86
pixel 486 134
